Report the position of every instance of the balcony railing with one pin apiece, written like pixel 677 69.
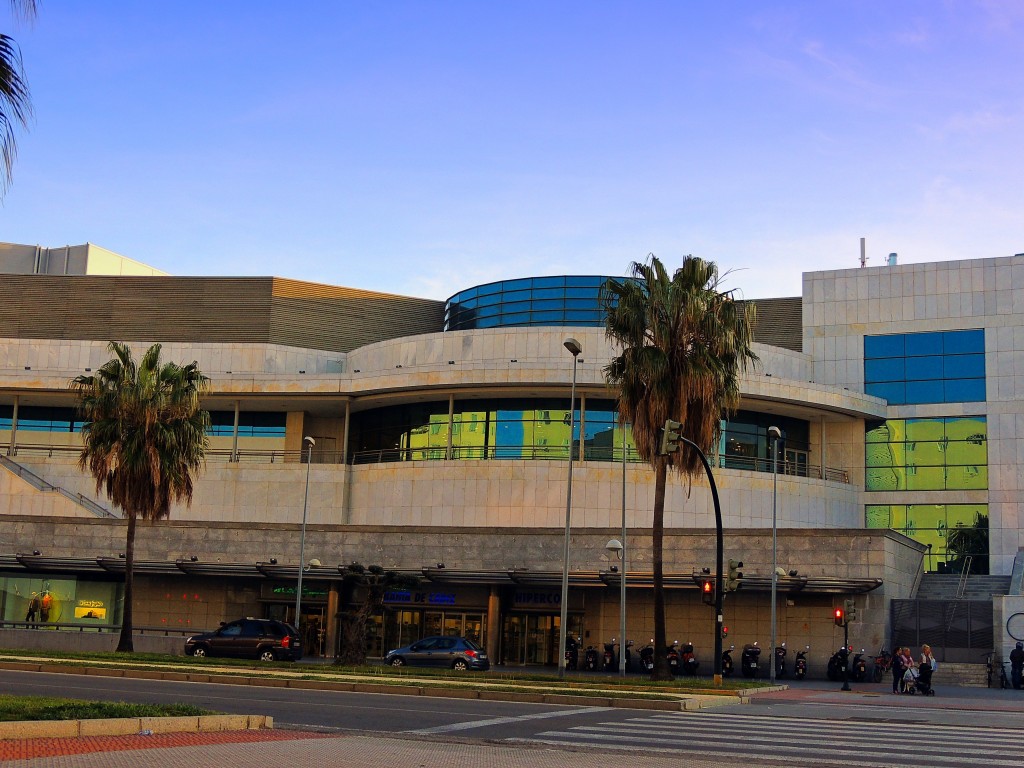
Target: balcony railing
pixel 469 453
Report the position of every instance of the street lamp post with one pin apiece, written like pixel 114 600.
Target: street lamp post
pixel 775 434
pixel 617 548
pixel 574 349
pixel 622 576
pixel 302 537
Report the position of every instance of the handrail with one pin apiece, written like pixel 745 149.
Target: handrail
pixel 37 482
pixel 961 587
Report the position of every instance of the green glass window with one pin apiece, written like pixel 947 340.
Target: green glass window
pixel 935 454
pixel 957 533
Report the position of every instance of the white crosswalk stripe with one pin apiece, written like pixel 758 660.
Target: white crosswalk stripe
pixel 802 741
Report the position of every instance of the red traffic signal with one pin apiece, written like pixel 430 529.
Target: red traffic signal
pixel 725 631
pixel 707 591
pixel 839 616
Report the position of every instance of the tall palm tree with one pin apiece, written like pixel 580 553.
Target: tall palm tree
pixel 683 343
pixel 15 102
pixel 144 438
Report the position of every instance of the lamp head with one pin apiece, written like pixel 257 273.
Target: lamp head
pixel 308 439
pixel 614 545
pixel 573 346
pixel 315 563
pixel 774 433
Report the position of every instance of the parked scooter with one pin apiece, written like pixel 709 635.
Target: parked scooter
pixel 609 656
pixel 727 669
pixel 859 668
pixel 883 665
pixel 800 664
pixel 672 654
pixel 689 660
pixel 629 654
pixel 572 652
pixel 591 659
pixel 750 660
pixel 647 657
pixel 836 669
pixel 780 660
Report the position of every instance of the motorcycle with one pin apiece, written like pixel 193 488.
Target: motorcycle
pixel 572 653
pixel 647 657
pixel 727 661
pixel 836 669
pixel 780 660
pixel 749 660
pixel 883 665
pixel 800 664
pixel 609 656
pixel 689 660
pixel 859 668
pixel 672 654
pixel 591 660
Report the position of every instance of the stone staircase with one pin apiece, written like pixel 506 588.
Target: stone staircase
pixel 943 586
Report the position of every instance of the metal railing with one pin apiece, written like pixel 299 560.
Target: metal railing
pixel 68 627
pixel 472 453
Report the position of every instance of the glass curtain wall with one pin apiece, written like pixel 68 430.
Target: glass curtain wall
pixel 933 454
pixel 955 532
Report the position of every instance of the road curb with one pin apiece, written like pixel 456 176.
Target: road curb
pixel 611 699
pixel 125 726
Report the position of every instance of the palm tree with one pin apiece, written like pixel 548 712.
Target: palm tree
pixel 683 343
pixel 144 438
pixel 15 102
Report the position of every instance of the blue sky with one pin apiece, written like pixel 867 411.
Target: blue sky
pixel 424 147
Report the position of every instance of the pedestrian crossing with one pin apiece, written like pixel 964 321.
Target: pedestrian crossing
pixel 799 741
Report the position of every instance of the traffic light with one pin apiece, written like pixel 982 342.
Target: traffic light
pixel 851 609
pixel 839 616
pixel 707 591
pixel 725 632
pixel 732 583
pixel 669 437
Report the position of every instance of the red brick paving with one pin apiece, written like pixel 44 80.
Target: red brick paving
pixel 25 749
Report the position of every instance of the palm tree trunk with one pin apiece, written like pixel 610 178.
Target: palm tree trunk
pixel 124 644
pixel 661 670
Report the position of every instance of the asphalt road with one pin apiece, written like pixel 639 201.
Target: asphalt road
pixel 811 724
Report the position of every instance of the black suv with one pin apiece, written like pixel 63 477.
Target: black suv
pixel 263 639
pixel 458 653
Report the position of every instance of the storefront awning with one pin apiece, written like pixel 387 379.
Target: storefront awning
pixel 438 574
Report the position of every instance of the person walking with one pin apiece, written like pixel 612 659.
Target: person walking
pixel 44 606
pixel 1017 666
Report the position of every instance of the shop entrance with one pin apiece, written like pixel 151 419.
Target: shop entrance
pixel 312 625
pixel 532 638
pixel 398 628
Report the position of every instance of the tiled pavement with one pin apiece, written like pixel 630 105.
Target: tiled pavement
pixel 29 749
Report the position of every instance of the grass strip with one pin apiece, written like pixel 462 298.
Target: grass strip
pixel 14 708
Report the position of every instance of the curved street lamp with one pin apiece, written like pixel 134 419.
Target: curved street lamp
pixel 574 349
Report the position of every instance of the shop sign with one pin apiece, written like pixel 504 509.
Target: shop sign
pixel 532 599
pixel 420 598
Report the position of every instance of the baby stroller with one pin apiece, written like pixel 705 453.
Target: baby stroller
pixel 924 680
pixel 910 680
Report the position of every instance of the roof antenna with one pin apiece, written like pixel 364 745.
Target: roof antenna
pixel 863 253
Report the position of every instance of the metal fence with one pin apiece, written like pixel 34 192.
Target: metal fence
pixel 957 630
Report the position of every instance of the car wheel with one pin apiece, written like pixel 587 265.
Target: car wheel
pixel 460 665
pixel 398 661
pixel 199 651
pixel 267 655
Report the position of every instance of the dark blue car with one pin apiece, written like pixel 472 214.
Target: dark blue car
pixel 458 653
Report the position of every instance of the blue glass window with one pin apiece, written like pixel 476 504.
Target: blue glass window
pixel 933 367
pixel 553 300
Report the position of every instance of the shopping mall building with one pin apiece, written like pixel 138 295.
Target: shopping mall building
pixel 442 450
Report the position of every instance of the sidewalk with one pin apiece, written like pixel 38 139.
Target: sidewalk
pixel 310 750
